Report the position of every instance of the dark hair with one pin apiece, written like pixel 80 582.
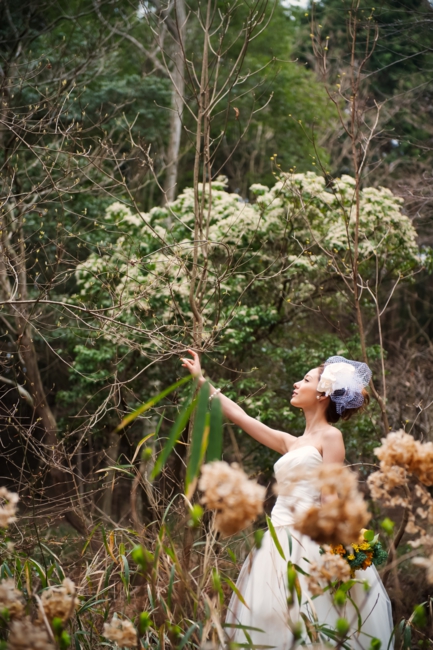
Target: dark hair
pixel 331 412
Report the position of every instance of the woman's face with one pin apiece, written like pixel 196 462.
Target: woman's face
pixel 305 391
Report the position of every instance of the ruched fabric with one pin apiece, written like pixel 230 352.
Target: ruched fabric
pixel 266 616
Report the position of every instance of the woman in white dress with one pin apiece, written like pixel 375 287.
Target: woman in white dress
pixel 264 618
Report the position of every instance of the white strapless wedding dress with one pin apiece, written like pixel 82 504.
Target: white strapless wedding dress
pixel 263 579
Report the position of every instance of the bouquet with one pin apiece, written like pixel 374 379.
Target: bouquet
pixel 363 553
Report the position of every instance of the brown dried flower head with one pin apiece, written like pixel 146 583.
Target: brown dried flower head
pixel 228 490
pixel 8 507
pixel 60 602
pixel 401 457
pixel 343 511
pixel 331 568
pixel 381 485
pixel 402 450
pixel 11 599
pixel 25 635
pixel 121 632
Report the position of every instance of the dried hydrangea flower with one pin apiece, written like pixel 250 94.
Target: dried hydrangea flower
pixel 60 601
pixel 25 635
pixel 11 599
pixel 8 507
pixel 400 449
pixel 332 568
pixel 236 499
pixel 343 511
pixel 382 483
pixel 402 458
pixel 121 632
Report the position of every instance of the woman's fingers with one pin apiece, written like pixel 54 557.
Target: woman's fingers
pixel 193 365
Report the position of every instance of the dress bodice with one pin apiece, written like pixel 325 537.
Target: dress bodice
pixel 303 495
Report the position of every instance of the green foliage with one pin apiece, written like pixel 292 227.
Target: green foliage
pixel 342 626
pixel 340 598
pixel 388 526
pixel 397 72
pixel 419 616
pixel 276 107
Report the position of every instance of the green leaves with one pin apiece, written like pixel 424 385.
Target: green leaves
pixel 369 535
pixel 293 583
pixel 206 434
pixel 196 514
pixel 388 526
pixel 419 616
pixel 340 598
pixel 258 537
pixel 342 626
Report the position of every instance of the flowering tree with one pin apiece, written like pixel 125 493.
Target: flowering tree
pixel 277 259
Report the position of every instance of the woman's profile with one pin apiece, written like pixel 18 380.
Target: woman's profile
pixel 263 617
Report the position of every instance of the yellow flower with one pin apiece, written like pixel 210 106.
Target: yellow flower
pixel 365 546
pixel 355 547
pixel 351 557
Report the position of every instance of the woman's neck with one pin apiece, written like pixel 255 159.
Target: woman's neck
pixel 315 421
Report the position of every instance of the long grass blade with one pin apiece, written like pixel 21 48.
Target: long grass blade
pixel 233 587
pixel 187 635
pixel 148 405
pixel 215 444
pixel 198 437
pixel 175 433
pixel 275 538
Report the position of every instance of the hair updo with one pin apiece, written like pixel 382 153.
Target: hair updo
pixel 331 412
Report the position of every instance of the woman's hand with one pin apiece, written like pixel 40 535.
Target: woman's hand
pixel 193 365
pixel 277 440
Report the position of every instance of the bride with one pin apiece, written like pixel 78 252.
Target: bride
pixel 263 618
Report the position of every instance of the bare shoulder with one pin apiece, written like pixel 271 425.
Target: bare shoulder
pixel 332 435
pixel 333 445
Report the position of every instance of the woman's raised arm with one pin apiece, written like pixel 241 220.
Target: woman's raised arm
pixel 277 440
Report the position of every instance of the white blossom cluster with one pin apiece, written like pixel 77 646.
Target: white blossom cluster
pixel 299 224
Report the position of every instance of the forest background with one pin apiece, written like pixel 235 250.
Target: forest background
pixel 314 125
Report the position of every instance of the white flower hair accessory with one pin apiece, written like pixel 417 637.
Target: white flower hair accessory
pixel 343 380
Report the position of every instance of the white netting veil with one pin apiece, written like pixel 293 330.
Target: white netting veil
pixel 343 380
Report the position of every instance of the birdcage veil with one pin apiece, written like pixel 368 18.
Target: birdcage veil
pixel 343 380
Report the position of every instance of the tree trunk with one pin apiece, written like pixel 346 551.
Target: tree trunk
pixel 178 80
pixel 62 484
pixel 112 454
